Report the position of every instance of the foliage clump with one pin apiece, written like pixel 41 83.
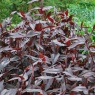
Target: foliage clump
pixel 46 54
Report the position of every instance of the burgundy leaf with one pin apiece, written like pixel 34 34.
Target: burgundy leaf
pixel 38 27
pixel 42 57
pixel 66 12
pixel 49 14
pixel 51 19
pixel 70 18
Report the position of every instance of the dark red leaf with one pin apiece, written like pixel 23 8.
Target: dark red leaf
pixel 16 48
pixel 64 20
pixel 71 23
pixel 49 14
pixel 42 85
pixel 0 25
pixel 39 93
pixel 70 18
pixel 38 27
pixel 48 27
pixel 41 11
pixel 22 13
pixel 66 12
pixel 51 19
pixel 42 57
pixel 68 42
pixel 72 93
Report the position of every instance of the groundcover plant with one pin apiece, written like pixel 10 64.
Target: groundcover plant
pixel 46 54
